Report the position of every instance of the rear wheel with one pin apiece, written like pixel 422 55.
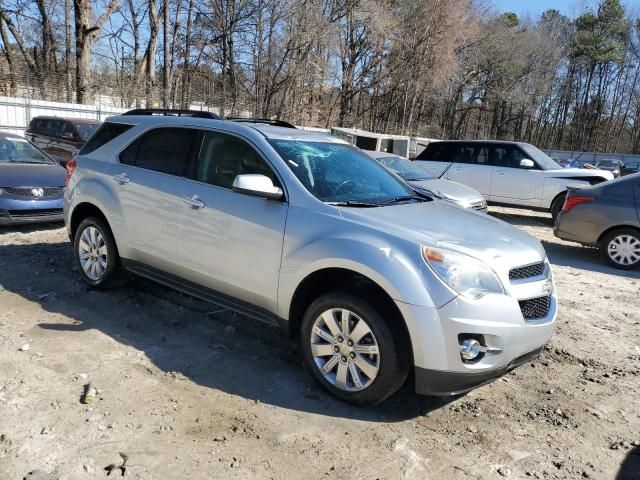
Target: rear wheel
pixel 621 248
pixel 356 354
pixel 96 254
pixel 556 206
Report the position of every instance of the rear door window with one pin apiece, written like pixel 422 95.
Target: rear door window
pixel 53 128
pixel 164 150
pixel 107 132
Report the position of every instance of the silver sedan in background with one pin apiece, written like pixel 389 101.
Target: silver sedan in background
pixel 606 216
pixel 423 181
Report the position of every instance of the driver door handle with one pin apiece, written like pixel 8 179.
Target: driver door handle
pixel 194 201
pixel 122 178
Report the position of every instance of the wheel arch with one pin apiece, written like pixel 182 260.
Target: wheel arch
pixel 85 210
pixel 617 227
pixel 346 280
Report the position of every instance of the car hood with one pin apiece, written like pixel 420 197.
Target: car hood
pixel 30 175
pixel 578 173
pixel 441 224
pixel 453 190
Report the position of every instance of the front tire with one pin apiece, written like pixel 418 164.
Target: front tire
pixel 621 248
pixel 354 352
pixel 96 254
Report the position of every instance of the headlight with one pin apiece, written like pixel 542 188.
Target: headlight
pixel 464 274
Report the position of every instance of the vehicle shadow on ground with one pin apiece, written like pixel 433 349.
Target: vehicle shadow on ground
pixel 184 337
pixel 517 219
pixel 30 228
pixel 630 469
pixel 583 258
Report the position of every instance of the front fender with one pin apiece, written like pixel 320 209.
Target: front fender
pixel 317 241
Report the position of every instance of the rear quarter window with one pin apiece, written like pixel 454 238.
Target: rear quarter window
pixel 438 151
pixel 107 132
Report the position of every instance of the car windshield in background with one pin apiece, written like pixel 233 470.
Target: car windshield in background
pixel 409 171
pixel 85 130
pixel 18 150
pixel 544 161
pixel 339 173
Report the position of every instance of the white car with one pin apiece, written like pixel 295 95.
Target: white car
pixel 508 173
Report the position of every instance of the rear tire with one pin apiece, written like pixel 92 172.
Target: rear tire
pixel 621 248
pixel 362 363
pixel 556 206
pixel 96 254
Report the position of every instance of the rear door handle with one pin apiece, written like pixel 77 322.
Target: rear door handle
pixel 194 201
pixel 122 178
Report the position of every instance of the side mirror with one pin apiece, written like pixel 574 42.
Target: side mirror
pixel 68 136
pixel 256 185
pixel 526 163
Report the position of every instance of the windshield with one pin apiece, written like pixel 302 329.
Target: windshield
pixel 544 161
pixel 406 169
pixel 85 130
pixel 335 172
pixel 18 150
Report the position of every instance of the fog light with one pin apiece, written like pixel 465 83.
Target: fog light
pixel 470 349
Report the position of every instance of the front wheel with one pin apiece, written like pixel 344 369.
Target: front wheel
pixel 358 355
pixel 96 254
pixel 621 248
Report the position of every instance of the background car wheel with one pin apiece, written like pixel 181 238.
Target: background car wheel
pixel 556 206
pixel 352 350
pixel 96 254
pixel 621 248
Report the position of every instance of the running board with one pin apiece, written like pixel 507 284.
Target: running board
pixel 202 293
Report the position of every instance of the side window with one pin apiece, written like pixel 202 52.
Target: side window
pixel 467 154
pixel 106 133
pixel 68 132
pixel 53 128
pixel 506 156
pixel 165 150
pixel 438 152
pixel 483 156
pixel 223 157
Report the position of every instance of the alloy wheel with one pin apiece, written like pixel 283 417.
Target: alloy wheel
pixel 345 349
pixel 92 253
pixel 624 250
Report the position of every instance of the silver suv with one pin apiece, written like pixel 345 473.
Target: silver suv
pixel 305 231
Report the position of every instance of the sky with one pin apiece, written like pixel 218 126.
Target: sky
pixel 570 8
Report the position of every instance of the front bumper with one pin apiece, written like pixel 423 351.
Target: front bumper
pixel 17 211
pixel 442 383
pixel 497 320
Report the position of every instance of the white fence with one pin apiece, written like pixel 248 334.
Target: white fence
pixel 17 112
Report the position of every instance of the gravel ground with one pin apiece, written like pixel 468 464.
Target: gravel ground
pixel 186 392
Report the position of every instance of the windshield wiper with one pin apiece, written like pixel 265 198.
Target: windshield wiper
pixel 353 203
pixel 417 179
pixel 403 198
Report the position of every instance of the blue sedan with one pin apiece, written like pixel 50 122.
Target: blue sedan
pixel 31 184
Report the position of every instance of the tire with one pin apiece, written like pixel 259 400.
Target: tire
pixel 102 269
pixel 629 240
pixel 556 206
pixel 386 371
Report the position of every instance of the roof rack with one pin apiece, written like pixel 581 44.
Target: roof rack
pixel 266 121
pixel 173 112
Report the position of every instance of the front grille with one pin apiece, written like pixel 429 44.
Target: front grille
pixel 41 212
pixel 27 192
pixel 535 308
pixel 480 205
pixel 528 271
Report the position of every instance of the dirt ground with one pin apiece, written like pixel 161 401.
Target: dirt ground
pixel 188 392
